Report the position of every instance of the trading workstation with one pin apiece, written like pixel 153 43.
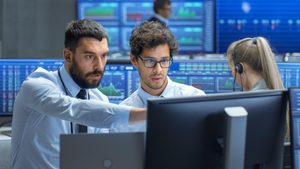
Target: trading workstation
pixel 203 29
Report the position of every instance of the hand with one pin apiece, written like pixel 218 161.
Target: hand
pixel 137 115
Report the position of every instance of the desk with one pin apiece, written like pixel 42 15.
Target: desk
pixel 5 149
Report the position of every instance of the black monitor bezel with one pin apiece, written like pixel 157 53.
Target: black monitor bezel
pixel 156 102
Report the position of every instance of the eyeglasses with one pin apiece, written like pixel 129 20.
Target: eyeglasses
pixel 150 63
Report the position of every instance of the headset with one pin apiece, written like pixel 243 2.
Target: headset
pixel 238 67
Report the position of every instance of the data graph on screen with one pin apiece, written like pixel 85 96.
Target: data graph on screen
pixel 113 35
pixel 14 72
pixel 207 75
pixel 278 21
pixel 113 84
pixel 294 96
pixel 121 79
pixel 189 13
pixel 134 13
pixel 189 38
pixel 192 21
pixel 106 12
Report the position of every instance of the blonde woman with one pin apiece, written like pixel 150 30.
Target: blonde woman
pixel 253 64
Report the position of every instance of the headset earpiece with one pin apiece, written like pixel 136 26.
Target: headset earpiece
pixel 239 68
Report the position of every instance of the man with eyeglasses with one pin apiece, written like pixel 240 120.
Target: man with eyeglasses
pixel 162 11
pixel 152 47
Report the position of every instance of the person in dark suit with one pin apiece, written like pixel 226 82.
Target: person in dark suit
pixel 162 11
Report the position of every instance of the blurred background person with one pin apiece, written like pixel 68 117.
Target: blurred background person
pixel 162 11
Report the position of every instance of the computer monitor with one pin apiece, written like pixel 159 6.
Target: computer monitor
pixel 208 74
pixel 192 21
pixel 121 78
pixel 119 81
pixel 294 95
pixel 13 73
pixel 290 73
pixel 276 20
pixel 188 132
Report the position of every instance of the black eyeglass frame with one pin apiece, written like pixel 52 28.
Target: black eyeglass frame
pixel 154 62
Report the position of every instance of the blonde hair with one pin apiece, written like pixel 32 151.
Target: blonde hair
pixel 257 53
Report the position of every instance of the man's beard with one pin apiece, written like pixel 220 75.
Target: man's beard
pixel 79 78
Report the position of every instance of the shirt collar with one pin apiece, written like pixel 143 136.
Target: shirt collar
pixel 144 95
pixel 71 86
pixel 260 85
pixel 161 18
pixel 167 92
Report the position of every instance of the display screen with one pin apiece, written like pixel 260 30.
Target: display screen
pixel 192 22
pixel 121 78
pixel 277 20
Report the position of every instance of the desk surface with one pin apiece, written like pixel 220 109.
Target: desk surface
pixel 2 136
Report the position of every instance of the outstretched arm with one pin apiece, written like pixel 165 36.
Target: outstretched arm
pixel 137 115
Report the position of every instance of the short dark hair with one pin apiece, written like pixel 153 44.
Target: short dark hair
pixel 83 28
pixel 160 4
pixel 151 34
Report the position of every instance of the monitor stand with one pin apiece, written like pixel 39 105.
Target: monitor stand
pixel 235 137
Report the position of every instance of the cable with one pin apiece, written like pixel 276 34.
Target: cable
pixel 233 86
pixel 241 82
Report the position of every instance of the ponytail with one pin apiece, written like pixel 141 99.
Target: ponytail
pixel 269 71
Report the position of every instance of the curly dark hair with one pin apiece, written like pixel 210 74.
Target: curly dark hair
pixel 83 28
pixel 149 35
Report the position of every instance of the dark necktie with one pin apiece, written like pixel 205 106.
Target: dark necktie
pixel 82 95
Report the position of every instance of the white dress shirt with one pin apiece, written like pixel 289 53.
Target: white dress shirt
pixel 139 99
pixel 43 110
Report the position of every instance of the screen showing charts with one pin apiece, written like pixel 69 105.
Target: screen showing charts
pixel 295 125
pixel 121 79
pixel 208 75
pixel 13 73
pixel 277 20
pixel 192 22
